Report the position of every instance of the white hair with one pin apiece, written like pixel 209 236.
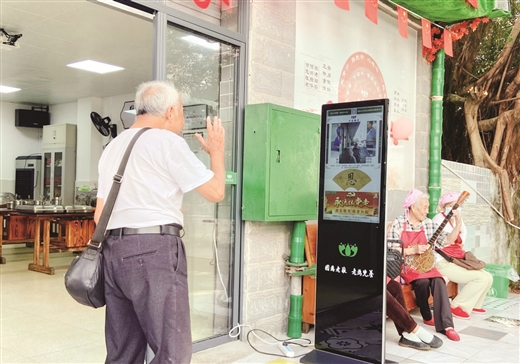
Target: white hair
pixel 423 196
pixel 155 97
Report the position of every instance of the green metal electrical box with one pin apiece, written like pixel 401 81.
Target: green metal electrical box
pixel 281 164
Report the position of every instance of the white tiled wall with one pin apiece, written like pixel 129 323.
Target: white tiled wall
pixel 483 223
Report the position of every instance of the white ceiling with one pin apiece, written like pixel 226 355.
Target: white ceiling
pixel 59 32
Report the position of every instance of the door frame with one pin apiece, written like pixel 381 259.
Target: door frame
pixel 164 15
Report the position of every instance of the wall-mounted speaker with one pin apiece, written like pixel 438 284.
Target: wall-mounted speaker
pixel 32 118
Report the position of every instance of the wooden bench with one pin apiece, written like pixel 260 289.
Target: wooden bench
pixel 409 295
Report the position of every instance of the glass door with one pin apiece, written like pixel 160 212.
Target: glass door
pixel 58 162
pixel 47 175
pixel 203 70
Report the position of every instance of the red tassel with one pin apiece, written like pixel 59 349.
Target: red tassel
pixel 402 18
pixel 342 4
pixel 203 4
pixel 426 33
pixel 371 8
pixel 225 5
pixel 473 3
pixel 448 43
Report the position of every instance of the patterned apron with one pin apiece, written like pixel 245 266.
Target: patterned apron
pixel 411 238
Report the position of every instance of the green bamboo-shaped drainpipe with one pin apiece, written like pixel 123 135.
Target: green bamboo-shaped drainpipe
pixel 294 327
pixel 437 91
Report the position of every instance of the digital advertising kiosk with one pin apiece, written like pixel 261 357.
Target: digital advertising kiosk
pixel 350 269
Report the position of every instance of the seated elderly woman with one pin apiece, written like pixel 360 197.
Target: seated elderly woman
pixel 416 230
pixel 476 282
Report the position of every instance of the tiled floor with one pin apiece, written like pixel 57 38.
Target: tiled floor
pixel 40 323
pixel 482 341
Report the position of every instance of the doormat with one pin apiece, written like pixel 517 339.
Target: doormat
pixel 504 320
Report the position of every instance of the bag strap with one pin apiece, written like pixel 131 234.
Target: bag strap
pixel 101 226
pixel 444 255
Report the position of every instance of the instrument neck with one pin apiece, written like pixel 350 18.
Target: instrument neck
pixel 437 232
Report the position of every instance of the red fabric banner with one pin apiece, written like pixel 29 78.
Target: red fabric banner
pixel 474 3
pixel 342 4
pixel 426 33
pixel 203 4
pixel 402 18
pixel 371 10
pixel 448 43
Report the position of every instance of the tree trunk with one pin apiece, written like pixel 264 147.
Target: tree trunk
pixel 482 158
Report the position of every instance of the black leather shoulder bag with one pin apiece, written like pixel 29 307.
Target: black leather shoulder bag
pixel 85 279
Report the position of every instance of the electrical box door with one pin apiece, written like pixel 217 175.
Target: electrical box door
pixel 281 164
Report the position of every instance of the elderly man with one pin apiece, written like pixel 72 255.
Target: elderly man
pixel 146 284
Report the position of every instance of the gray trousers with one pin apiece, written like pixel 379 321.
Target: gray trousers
pixel 146 291
pixel 422 288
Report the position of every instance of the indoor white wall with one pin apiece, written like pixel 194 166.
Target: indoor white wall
pixel 14 142
pixel 112 107
pixel 91 143
pixel 64 113
pixel 21 141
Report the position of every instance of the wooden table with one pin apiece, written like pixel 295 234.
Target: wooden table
pixel 78 227
pixel 19 229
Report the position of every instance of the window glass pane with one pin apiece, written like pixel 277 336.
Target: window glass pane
pixel 203 70
pixel 219 12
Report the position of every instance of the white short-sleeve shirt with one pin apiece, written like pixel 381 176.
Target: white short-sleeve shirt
pixel 161 168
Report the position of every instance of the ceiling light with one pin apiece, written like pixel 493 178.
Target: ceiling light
pixel 7 89
pixel 202 42
pixel 94 66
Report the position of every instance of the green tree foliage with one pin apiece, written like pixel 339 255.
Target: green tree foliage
pixel 481 121
pixel 474 55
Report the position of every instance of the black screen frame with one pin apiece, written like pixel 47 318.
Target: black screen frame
pixel 344 297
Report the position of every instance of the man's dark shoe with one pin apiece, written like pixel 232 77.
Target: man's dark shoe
pixel 413 344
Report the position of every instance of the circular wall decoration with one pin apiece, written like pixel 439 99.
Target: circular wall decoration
pixel 361 79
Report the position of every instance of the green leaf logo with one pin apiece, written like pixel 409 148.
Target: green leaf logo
pixel 348 250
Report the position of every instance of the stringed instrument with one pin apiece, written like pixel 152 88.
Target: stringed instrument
pixel 424 262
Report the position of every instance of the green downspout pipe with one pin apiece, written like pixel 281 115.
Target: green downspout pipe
pixel 297 258
pixel 437 91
